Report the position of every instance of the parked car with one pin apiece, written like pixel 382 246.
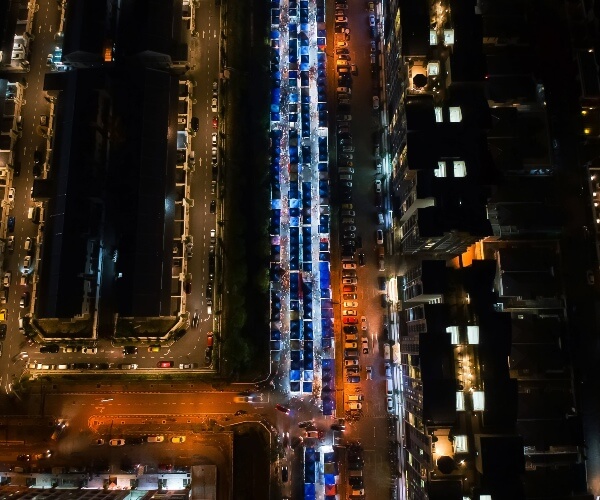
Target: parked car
pixel 7 278
pixel 195 123
pixel 214 105
pixel 165 364
pixel 178 439
pixel 89 350
pixel 379 236
pixel 116 442
pixel 11 224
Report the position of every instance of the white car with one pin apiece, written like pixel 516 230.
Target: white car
pixel 214 139
pixel 355 406
pixel 388 371
pixel 390 404
pixel 379 237
pixel 349 312
pixel 372 20
pixel 11 195
pixel 116 442
pixel 214 105
pixel 378 186
pixel 365 345
pixel 363 322
pixel 349 265
pixel 89 350
pixel 375 102
pixel 6 280
pixel 369 373
pixel 351 304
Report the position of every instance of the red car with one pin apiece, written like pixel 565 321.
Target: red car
pixel 283 409
pixel 349 320
pixel 165 364
pixel 215 122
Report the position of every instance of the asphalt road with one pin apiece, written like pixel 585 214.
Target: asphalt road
pixel 45 27
pixel 371 429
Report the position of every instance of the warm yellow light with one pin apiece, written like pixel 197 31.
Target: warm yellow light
pixel 587 131
pixel 584 112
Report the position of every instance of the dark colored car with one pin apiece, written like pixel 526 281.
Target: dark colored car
pixel 135 440
pixel 282 409
pixel 350 329
pixel 208 356
pixel 209 290
pixel 195 123
pixel 165 364
pixel 130 349
pixel 51 348
pixel 11 224
pixel 213 206
pixel 17 168
pixel 284 474
pixel 2 331
pixel 82 366
pixel 215 172
pixel 188 287
pixel 361 259
pixel 38 156
pixel 23 458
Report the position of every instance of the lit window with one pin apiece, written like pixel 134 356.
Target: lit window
pixel 460 401
pixel 460 168
pixel 473 334
pixel 478 401
pixel 438 114
pixel 455 114
pixel 448 37
pixel 454 337
pixel 441 170
pixel 461 444
pixel 433 68
pixel 433 40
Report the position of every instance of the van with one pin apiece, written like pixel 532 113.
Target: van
pixel 21 324
pixel 386 351
pixel 346 177
pixel 355 397
pixel 62 367
pixel 344 90
pixel 345 170
pixel 389 387
pixel 30 213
